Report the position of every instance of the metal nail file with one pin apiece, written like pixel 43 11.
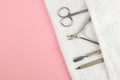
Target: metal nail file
pixel 90 64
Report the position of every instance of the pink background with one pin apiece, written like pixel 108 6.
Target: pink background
pixel 28 46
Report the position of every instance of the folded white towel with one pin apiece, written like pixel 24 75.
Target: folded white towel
pixel 106 19
pixel 76 47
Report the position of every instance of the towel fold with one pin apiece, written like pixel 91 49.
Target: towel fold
pixel 105 15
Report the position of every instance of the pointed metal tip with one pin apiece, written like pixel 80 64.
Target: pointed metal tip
pixel 78 68
pixel 78 58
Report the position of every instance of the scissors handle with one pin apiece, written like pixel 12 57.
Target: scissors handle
pixel 63 12
pixel 66 22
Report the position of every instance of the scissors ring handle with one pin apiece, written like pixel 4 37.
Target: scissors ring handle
pixel 66 22
pixel 63 12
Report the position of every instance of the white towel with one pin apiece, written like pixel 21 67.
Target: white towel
pixel 106 20
pixel 76 47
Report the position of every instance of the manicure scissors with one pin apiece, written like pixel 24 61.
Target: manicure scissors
pixel 66 15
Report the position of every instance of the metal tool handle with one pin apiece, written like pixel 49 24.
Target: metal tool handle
pixel 93 53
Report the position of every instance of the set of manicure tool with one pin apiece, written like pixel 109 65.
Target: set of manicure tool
pixel 66 21
pixel 78 39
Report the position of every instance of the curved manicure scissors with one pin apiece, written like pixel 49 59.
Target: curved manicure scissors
pixel 66 16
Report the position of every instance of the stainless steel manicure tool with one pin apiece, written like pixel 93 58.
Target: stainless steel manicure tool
pixel 66 15
pixel 87 55
pixel 92 63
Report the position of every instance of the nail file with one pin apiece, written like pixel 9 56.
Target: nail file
pixel 92 63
